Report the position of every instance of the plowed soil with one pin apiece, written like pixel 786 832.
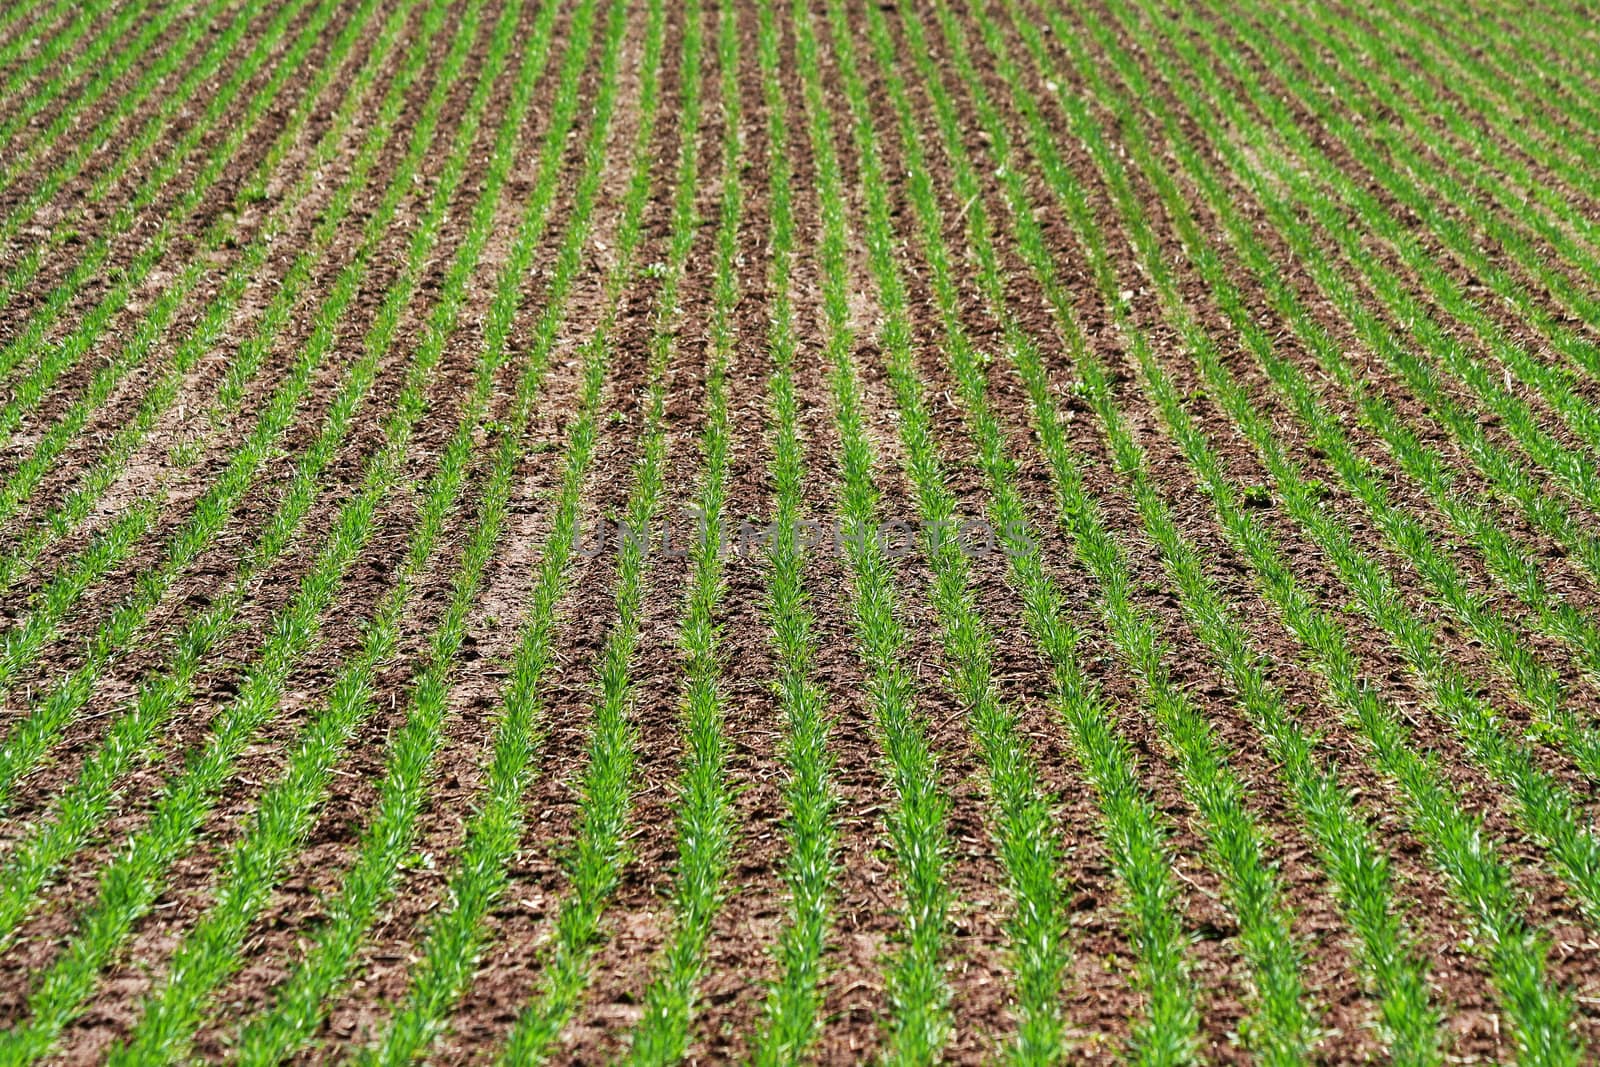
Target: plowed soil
pixel 202 535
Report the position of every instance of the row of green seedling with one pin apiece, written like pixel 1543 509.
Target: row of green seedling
pixel 150 328
pixel 77 98
pixel 1495 164
pixel 133 735
pixel 1490 168
pixel 1347 845
pixel 1528 492
pixel 33 99
pixel 37 27
pixel 1557 37
pixel 1574 468
pixel 1550 809
pixel 793 1014
pixel 600 853
pixel 295 1015
pixel 1508 559
pixel 167 59
pixel 1282 1025
pixel 456 937
pixel 157 127
pixel 302 1000
pixel 206 332
pixel 1543 94
pixel 77 811
pixel 918 1023
pixel 1348 851
pixel 1431 86
pixel 54 359
pixel 1505 470
pixel 209 952
pixel 50 44
pixel 1409 1023
pixel 1340 833
pixel 59 357
pixel 1135 833
pixel 31 738
pixel 707 822
pixel 1537 683
pixel 1025 835
pixel 23 643
pixel 1556 383
pixel 1277 210
pixel 1448 682
pixel 32 540
pixel 132 883
pixel 81 808
pixel 1456 839
pixel 31 328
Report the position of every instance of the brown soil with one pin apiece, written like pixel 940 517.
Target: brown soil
pixel 220 680
pixel 184 456
pixel 180 487
pixel 1483 796
pixel 88 220
pixel 1456 266
pixel 586 617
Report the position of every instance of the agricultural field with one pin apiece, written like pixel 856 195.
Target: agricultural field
pixel 799 531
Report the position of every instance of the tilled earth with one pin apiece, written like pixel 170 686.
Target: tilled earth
pixel 407 655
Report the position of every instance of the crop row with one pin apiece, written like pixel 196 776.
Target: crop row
pixel 53 710
pixel 203 337
pixel 1337 824
pixel 1104 276
pixel 130 885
